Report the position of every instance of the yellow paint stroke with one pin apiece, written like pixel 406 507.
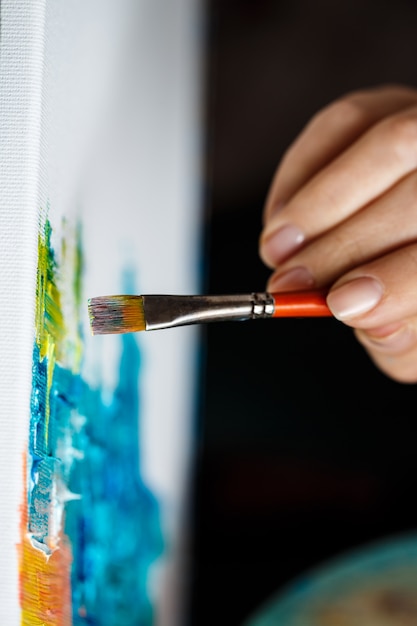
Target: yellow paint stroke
pixel 71 273
pixel 45 568
pixel 45 592
pixel 49 320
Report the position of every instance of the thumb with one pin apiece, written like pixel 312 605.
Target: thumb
pixel 379 300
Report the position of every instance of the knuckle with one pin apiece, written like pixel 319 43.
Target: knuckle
pixel 410 253
pixel 402 135
pixel 351 248
pixel 396 89
pixel 412 192
pixel 347 111
pixel 403 210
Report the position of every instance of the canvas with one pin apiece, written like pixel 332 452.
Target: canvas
pixel 100 194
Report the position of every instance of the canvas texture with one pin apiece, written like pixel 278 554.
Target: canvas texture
pixel 100 193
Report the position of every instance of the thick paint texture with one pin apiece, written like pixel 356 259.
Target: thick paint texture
pixel 90 526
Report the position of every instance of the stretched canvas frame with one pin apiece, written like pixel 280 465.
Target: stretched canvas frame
pixel 100 193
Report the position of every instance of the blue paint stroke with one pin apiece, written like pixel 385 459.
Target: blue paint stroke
pixel 114 528
pixel 84 459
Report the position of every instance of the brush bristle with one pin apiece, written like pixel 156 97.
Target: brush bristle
pixel 116 314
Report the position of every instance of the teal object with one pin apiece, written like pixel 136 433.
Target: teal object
pixel 376 586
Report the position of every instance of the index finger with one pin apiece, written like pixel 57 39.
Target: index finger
pixel 366 170
pixel 329 133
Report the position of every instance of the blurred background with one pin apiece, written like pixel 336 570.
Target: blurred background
pixel 305 450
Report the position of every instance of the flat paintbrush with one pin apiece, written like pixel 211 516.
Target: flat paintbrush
pixel 126 314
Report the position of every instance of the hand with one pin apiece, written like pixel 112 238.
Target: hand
pixel 342 214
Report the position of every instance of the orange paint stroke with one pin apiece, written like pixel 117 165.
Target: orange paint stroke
pixel 45 589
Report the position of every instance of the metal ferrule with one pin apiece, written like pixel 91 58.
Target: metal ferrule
pixel 163 311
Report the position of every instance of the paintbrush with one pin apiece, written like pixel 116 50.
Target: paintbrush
pixel 126 314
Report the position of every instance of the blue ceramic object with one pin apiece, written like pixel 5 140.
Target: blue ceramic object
pixel 376 586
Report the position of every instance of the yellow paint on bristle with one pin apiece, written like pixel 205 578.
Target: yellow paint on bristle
pixel 133 314
pixel 116 314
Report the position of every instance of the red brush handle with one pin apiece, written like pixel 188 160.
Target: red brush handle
pixel 301 304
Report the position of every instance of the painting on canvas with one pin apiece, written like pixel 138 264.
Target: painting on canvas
pixel 100 139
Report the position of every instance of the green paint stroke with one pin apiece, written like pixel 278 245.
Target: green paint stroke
pixel 84 460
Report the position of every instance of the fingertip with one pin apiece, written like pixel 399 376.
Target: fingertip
pixel 263 252
pixel 272 209
pixel 295 279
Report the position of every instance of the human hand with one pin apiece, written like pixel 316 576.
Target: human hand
pixel 341 213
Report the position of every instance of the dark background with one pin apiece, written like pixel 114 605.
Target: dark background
pixel 305 449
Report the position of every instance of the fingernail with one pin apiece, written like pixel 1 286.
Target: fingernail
pixel 282 243
pixel 295 278
pixel 355 297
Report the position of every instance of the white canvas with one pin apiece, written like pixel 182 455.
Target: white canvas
pixel 100 127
